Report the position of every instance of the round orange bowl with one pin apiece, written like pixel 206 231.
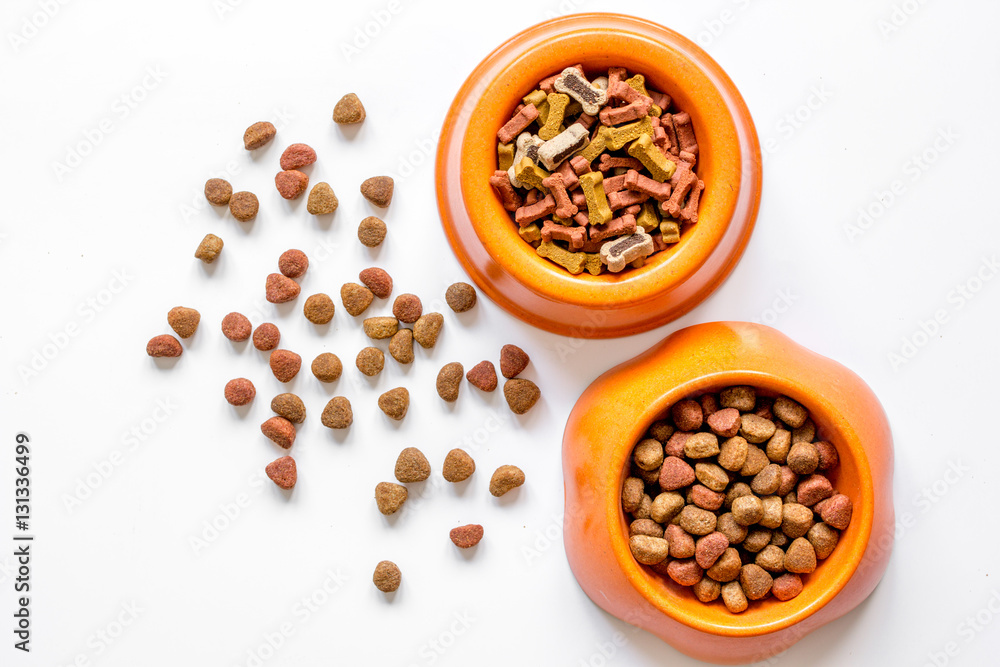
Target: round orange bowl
pixel 616 410
pixel 673 281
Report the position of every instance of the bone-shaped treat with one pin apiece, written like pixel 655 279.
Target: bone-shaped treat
pixel 565 208
pixel 517 124
pixel 646 185
pixel 569 141
pixel 557 109
pixel 509 197
pixel 571 261
pixel 579 164
pixel 625 198
pixel 570 178
pixel 530 174
pixel 528 214
pixel 685 133
pixel 575 236
pixel 659 167
pixel 689 213
pixel 607 163
pixel 619 226
pixel 598 211
pixel 572 82
pixel 526 146
pixel 621 252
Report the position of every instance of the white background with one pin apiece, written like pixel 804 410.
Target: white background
pixel 846 97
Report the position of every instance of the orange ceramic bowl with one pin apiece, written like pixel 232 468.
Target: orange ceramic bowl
pixel 672 282
pixel 614 413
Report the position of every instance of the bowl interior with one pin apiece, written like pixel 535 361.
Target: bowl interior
pixel 852 478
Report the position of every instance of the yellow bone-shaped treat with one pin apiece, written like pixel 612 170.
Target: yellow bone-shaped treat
pixel 648 218
pixel 659 167
pixel 598 210
pixel 531 175
pixel 505 156
pixel 596 146
pixel 594 265
pixel 671 231
pixel 557 110
pixel 638 84
pixel 619 136
pixel 531 233
pixel 571 261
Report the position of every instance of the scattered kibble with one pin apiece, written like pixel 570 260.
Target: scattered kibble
pixel 412 466
pixel 236 327
pixel 449 380
pixel 376 280
pixel 483 376
pixel 407 308
pixel 427 329
pixel 327 367
pixel 280 289
pixel 283 472
pixel 218 191
pixel 460 297
pixel 370 361
pixel 356 298
pixel 513 360
pixel 348 110
pixel 209 248
pixel 293 263
pixel 458 466
pixel 322 200
pixel 319 309
pixel 164 345
pixel 371 232
pixel 380 328
pixel 389 497
pixel 240 391
pixel 466 537
pixel 285 364
pixel 291 183
pixel 266 337
pixel 387 576
pixel 280 431
pixel 290 407
pixel 378 190
pixel 297 156
pixel 521 395
pixel 244 206
pixel 506 478
pixel 401 346
pixel 184 321
pixel 337 413
pixel 258 135
pixel 395 402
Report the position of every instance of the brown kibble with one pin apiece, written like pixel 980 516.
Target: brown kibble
pixel 696 521
pixel 258 134
pixel 701 445
pixel 773 512
pixel 280 289
pixel 645 505
pixel 747 510
pixel 348 110
pixel 707 590
pixel 779 446
pixel 449 380
pixel 800 558
pixel 293 263
pixel 734 598
pixel 218 191
pixel 483 376
pixel 387 576
pixel 705 498
pixel 240 391
pixel 401 346
pixel 755 580
pixel 836 511
pixel 244 206
pixel 805 433
pixel 370 361
pixel 736 490
pixel 427 329
pixel 291 183
pixel 813 489
pixel 322 200
pixel 371 232
pixel 711 475
pixel 710 548
pixel 681 543
pixel 184 321
pixel 337 413
pixel 786 587
pixel 407 308
pixel 378 190
pixel 209 248
pixel 779 539
pixel 771 558
pixel 789 412
pixel 412 466
pixel 505 479
pixel 648 454
pixel 460 297
pixel 458 466
pixel 756 461
pixel 730 527
pixel 828 456
pixel 756 429
pixel 290 407
pixel 390 497
pixel 466 537
pixel 236 327
pixel 513 360
pixel 725 423
pixel 823 538
pixel 285 364
pixel 767 481
pixel 648 476
pixel 666 506
pixel 757 539
pixel 632 492
pixel 742 398
pixel 280 431
pixel 297 156
pixel 649 550
pixel 356 298
pixel 521 395
pixel 282 472
pixel 377 280
pixel 788 481
pixel 266 337
pixel 709 404
pixel 380 328
pixel 327 367
pixel 796 520
pixel 319 309
pixel 687 415
pixel 727 567
pixel 803 458
pixel 685 572
pixel 645 527
pixel 675 473
pixel 395 402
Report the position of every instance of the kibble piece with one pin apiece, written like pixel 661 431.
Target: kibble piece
pixel 378 190
pixel 280 289
pixel 483 376
pixel 319 309
pixel 401 346
pixel 778 446
pixel 285 364
pixel 733 453
pixel 407 308
pixel 755 580
pixel 458 466
pixel 376 280
pixel 757 539
pixel 258 134
pixel 747 510
pixel 266 337
pixel 724 423
pixel 788 481
pixel 685 572
pixel 236 327
pixel 800 558
pixel 727 567
pixel 771 558
pixel 244 206
pixel 513 360
pixel 293 263
pixel 731 528
pixel 645 527
pixel 696 521
pixel 632 492
pixel 290 407
pixel 371 232
pixel 356 298
pixel 756 461
pixel 449 380
pixel 506 478
pixel 291 183
pixel 709 405
pixel 387 576
pixel 427 329
pixel 460 297
pixel 390 497
pixel 765 407
pixel 681 543
pixel 804 433
pixel 836 511
pixel 711 475
pixel 736 490
pixel 789 411
pixel 380 328
pixel 649 550
pixel 803 458
pixel 779 539
pixel 773 512
pixel 395 402
pixel 280 431
pixel 164 345
pixel 823 538
pixel 786 587
pixel 648 476
pixel 297 156
pixel 813 489
pixel 521 395
pixel 322 200
pixel 687 415
pixel 828 456
pixel 704 497
pixel 327 367
pixel 348 110
pixel 240 391
pixel 710 548
pixel 282 472
pixel 733 597
pixel 466 537
pixel 756 429
pixel 648 454
pixel 666 506
pixel 209 248
pixel 337 413
pixel 675 473
pixel 218 191
pixel 412 466
pixel 370 361
pixel 796 520
pixel 707 589
pixel 742 398
pixel 701 445
pixel 767 481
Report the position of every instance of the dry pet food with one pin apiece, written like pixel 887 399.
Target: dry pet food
pixel 327 367
pixel 184 321
pixel 380 328
pixel 521 395
pixel 319 309
pixel 401 346
pixel 371 232
pixel 407 308
pixel 322 200
pixel 280 289
pixel 460 297
pixel 337 413
pixel 291 183
pixel 258 134
pixel 356 298
pixel 412 466
pixel 395 402
pixel 282 472
pixel 266 337
pixel 209 248
pixel 377 280
pixel 293 263
pixel 236 327
pixel 280 431
pixel 164 345
pixel 513 360
pixel 378 190
pixel 218 191
pixel 370 361
pixel 389 497
pixel 297 156
pixel 290 407
pixel 506 478
pixel 458 466
pixel 483 376
pixel 387 576
pixel 736 497
pixel 449 380
pixel 427 328
pixel 244 206
pixel 285 364
pixel 348 110
pixel 466 537
pixel 240 391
